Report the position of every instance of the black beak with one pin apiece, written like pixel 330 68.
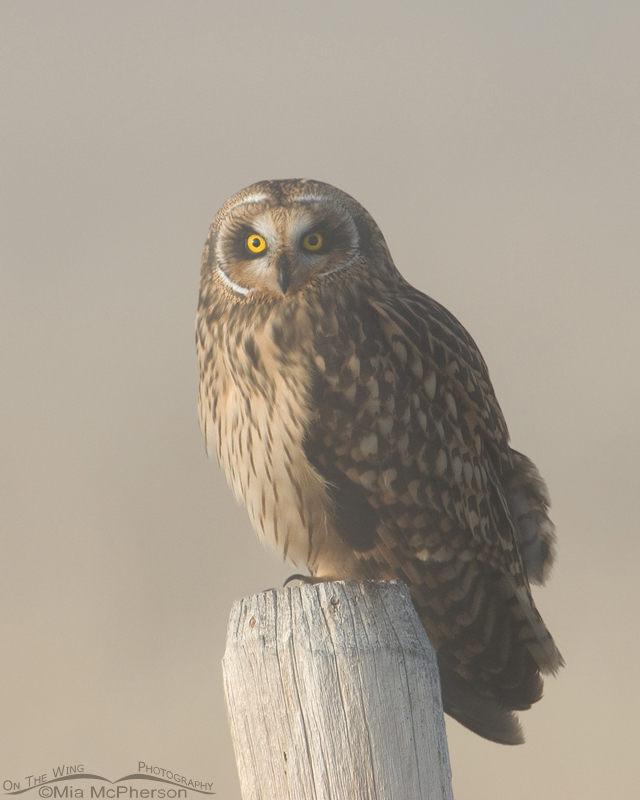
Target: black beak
pixel 284 273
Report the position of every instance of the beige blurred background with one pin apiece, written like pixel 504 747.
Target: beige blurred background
pixel 497 144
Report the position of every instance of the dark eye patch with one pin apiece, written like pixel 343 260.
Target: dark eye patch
pixel 237 244
pixel 335 235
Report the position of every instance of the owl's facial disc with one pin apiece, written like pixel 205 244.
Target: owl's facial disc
pixel 280 249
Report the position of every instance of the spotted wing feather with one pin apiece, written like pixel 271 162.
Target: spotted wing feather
pixel 414 448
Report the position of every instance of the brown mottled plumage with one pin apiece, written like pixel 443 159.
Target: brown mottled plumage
pixel 355 418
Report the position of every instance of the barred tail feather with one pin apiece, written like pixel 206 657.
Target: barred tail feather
pixel 483 715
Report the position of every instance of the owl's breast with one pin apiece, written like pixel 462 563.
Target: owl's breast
pixel 256 408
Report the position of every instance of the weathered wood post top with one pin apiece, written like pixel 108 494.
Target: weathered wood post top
pixel 333 692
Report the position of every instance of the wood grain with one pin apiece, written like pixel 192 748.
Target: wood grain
pixel 333 692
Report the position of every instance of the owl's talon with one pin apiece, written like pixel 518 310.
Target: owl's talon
pixel 305 580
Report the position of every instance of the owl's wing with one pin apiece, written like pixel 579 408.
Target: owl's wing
pixel 413 445
pixel 456 355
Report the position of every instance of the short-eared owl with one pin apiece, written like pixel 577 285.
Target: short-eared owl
pixel 355 418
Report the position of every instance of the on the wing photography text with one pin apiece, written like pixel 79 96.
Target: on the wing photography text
pixel 60 784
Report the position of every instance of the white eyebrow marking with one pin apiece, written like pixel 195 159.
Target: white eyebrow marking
pixel 234 286
pixel 309 198
pixel 253 198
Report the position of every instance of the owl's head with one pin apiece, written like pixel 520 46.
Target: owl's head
pixel 277 237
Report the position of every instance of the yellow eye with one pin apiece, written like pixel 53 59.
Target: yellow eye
pixel 256 243
pixel 312 242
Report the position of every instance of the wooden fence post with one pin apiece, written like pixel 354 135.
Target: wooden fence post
pixel 333 693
